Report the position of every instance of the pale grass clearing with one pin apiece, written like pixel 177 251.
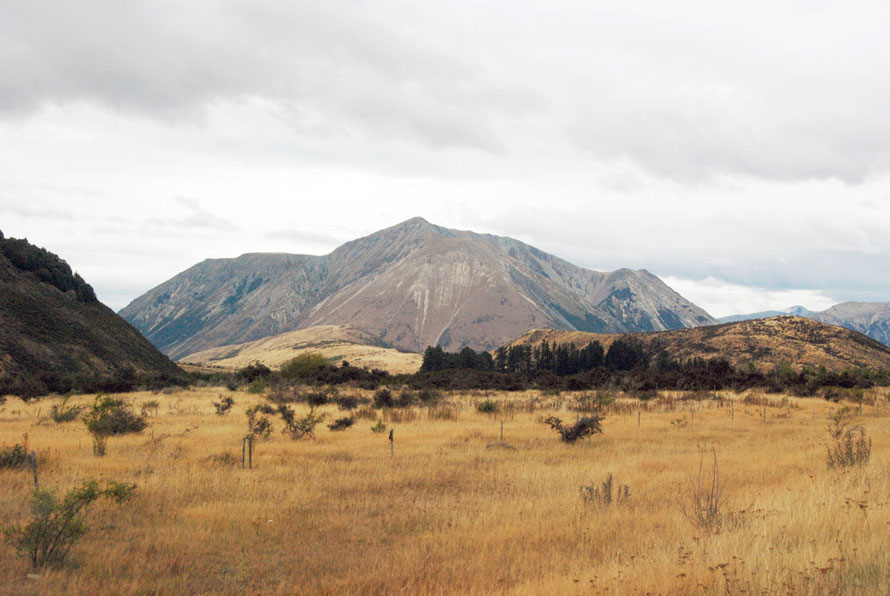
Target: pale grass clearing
pixel 456 510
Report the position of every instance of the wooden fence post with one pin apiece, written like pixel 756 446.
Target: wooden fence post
pixel 32 457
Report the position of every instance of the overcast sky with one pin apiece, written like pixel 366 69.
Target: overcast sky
pixel 739 150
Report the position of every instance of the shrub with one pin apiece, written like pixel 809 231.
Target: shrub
pixel 55 526
pixel 224 405
pixel 584 427
pixel 299 428
pixel 342 423
pixel 346 402
pixel 383 398
pixel 379 427
pixel 59 413
pixel 252 372
pixel 486 407
pixel 109 417
pixel 429 396
pixel 407 399
pixel 317 398
pixel 304 366
pixel 602 495
pixel 258 425
pixel 258 385
pixel 852 446
pixel 13 458
pixel 704 503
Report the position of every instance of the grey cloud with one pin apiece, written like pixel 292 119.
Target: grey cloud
pixel 686 91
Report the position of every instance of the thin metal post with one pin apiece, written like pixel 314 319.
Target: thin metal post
pixel 250 453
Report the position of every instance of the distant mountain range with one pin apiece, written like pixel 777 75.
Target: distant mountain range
pixel 409 286
pixel 56 336
pixel 870 318
pixel 762 343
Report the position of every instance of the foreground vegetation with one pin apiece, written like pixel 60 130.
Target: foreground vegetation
pixel 455 508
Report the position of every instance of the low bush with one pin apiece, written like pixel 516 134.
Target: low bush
pixel 383 398
pixel 342 423
pixel 486 407
pixel 346 402
pixel 13 458
pixel 224 405
pixel 300 428
pixel 257 386
pixel 110 417
pixel 56 526
pixel 583 428
pixel 379 427
pixel 61 413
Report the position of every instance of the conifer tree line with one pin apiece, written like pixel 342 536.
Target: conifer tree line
pixel 560 359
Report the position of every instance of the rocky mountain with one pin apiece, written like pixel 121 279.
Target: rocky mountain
pixel 356 346
pixel 763 343
pixel 797 311
pixel 411 285
pixel 869 318
pixel 56 336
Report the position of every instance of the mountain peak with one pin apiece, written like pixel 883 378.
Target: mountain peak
pixel 411 285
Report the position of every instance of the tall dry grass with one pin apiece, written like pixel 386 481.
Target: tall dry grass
pixel 456 510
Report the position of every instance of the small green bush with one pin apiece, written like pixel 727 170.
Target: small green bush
pixel 299 428
pixel 258 425
pixel 487 407
pixel 13 458
pixel 56 525
pixel 60 413
pixel 379 427
pixel 585 427
pixel 258 385
pixel 109 417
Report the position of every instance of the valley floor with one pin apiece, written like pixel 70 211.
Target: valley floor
pixel 457 510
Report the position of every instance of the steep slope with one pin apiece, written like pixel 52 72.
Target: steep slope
pixel 870 318
pixel 763 343
pixel 412 285
pixel 338 343
pixel 55 335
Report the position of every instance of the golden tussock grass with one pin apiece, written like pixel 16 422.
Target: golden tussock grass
pixel 456 510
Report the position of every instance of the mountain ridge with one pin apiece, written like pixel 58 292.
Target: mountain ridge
pixel 763 343
pixel 56 336
pixel 869 318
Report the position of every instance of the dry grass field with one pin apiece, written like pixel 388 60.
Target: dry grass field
pixel 456 510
